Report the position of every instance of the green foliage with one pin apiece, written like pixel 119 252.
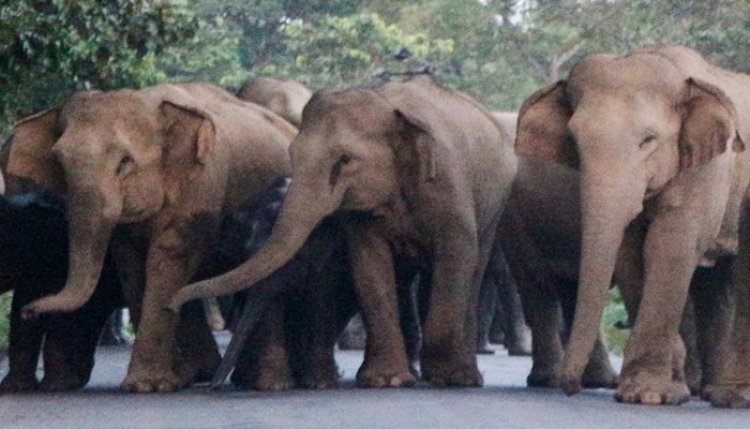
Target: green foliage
pixel 49 48
pixel 5 301
pixel 343 51
pixel 613 323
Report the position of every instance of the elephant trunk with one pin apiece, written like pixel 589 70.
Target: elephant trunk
pixel 91 219
pixel 607 208
pixel 300 214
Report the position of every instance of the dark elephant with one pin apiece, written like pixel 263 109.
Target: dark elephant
pixel 33 263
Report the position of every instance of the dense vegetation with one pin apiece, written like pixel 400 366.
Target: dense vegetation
pixel 497 50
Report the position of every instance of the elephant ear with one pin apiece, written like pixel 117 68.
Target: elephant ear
pixel 542 130
pixel 189 139
pixel 709 124
pixel 420 142
pixel 29 153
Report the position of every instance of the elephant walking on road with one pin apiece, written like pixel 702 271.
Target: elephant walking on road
pixel 167 164
pixel 424 173
pixel 658 136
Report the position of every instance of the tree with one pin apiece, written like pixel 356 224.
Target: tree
pixel 49 48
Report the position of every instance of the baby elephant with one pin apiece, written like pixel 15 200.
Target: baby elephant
pixel 34 263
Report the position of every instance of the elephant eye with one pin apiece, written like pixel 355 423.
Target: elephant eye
pixel 123 164
pixel 648 142
pixel 336 170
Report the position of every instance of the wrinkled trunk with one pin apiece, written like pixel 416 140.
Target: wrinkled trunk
pixel 90 226
pixel 303 209
pixel 606 210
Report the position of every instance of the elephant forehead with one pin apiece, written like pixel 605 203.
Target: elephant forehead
pixel 641 73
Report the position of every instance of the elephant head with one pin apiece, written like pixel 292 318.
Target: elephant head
pixel 283 96
pixel 119 158
pixel 630 124
pixel 353 152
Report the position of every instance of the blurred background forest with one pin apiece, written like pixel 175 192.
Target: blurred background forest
pixel 497 50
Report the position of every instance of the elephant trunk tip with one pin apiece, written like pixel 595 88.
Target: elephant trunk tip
pixel 59 303
pixel 570 385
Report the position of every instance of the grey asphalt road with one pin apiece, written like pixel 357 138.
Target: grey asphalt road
pixel 504 402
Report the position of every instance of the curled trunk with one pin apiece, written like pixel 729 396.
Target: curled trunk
pixel 90 226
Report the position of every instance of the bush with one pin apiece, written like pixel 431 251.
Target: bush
pixel 614 323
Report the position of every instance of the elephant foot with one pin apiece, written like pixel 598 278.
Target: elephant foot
pixel 274 376
pixel 539 378
pixel 599 376
pixel 62 383
pixel 318 382
pixel 270 383
pixel 152 381
pixel 321 377
pixel 728 396
pixel 16 384
pixel 451 374
pixel 374 376
pixel 648 389
pixel 199 369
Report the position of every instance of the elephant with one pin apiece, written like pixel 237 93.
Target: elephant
pixel 500 309
pixel 658 137
pixel 284 96
pixel 167 164
pixel 424 172
pixel 731 388
pixel 33 263
pixel 541 228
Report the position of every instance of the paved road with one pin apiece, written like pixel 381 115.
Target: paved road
pixel 503 403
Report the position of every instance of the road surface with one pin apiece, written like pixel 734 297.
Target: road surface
pixel 504 403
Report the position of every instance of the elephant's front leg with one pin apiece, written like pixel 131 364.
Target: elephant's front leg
pixel 449 333
pixel 172 259
pixel 25 344
pixel 386 364
pixel 648 375
pixel 731 388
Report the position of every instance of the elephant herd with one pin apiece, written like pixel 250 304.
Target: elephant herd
pixel 396 201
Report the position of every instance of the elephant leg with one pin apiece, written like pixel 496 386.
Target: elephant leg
pixel 267 367
pixel 731 388
pixel 333 302
pixel 68 359
pixel 450 331
pixel 488 302
pixel 173 257
pixel 648 375
pixel 517 333
pixel 198 355
pixel 131 270
pixel 710 290
pixel 407 279
pixel 689 334
pixel 598 372
pixel 25 341
pixel 385 363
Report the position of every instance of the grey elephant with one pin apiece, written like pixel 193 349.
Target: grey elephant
pixel 167 164
pixel 284 96
pixel 424 172
pixel 658 136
